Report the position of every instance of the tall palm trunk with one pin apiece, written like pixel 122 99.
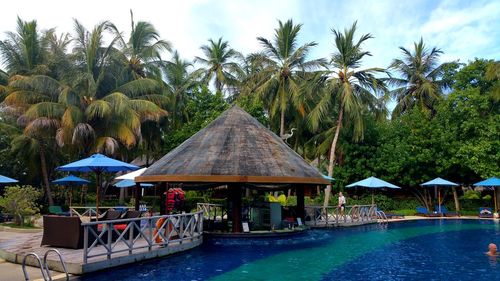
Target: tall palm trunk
pixel 45 175
pixel 332 155
pixel 282 122
pixel 455 197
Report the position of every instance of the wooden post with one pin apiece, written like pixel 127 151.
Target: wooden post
pixel 137 191
pixel 234 196
pixel 496 193
pixel 299 190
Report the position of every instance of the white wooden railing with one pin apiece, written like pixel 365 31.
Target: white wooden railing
pixel 102 239
pixel 334 216
pixel 214 212
pixel 91 211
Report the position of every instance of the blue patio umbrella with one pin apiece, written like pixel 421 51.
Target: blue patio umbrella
pixel 71 181
pixel 374 183
pixel 4 179
pixel 98 164
pixel 492 182
pixel 436 183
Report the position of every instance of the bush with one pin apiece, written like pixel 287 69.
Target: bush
pixel 471 195
pixel 20 201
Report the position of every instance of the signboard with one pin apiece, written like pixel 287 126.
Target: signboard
pixel 246 229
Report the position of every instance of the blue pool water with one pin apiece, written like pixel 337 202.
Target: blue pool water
pixel 417 250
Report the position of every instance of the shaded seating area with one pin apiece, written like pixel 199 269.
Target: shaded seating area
pixel 67 231
pixel 237 152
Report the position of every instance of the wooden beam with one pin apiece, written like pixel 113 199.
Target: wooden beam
pixel 230 179
pixel 137 191
pixel 234 197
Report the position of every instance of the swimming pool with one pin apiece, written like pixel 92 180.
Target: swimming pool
pixel 413 250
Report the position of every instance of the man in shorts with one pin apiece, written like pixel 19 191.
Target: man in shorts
pixel 341 203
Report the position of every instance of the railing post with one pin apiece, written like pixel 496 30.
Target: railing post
pixel 131 236
pixel 181 228
pixel 110 238
pixel 150 242
pixel 85 242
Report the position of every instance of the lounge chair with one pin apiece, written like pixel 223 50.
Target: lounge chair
pixel 130 214
pixel 422 211
pixel 110 214
pixel 57 210
pixel 391 215
pixel 485 212
pixel 446 213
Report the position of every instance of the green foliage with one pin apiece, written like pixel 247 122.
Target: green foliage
pixel 120 97
pixel 471 195
pixel 203 107
pixel 20 201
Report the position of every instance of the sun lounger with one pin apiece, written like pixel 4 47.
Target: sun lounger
pixel 485 212
pixel 422 211
pixel 110 214
pixel 130 214
pixel 391 215
pixel 446 213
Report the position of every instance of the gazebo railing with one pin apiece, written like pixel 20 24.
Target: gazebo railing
pixel 214 212
pixel 103 238
pixel 333 215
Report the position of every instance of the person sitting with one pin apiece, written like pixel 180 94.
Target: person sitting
pixel 492 250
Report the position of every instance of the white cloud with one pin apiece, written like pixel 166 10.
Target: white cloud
pixel 462 29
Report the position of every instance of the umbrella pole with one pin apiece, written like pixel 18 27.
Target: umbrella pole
pixel 70 197
pixel 373 199
pixel 97 195
pixel 495 198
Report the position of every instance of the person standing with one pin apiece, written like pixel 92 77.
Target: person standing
pixel 342 203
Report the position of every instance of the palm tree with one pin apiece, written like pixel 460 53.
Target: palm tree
pixel 219 63
pixel 179 83
pixel 142 52
pixel 281 62
pixel 24 52
pixel 347 90
pixel 419 83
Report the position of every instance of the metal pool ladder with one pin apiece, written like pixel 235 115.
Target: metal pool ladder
pixel 44 268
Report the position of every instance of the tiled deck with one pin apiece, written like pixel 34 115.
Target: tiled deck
pixel 14 246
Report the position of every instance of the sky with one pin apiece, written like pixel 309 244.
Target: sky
pixel 461 29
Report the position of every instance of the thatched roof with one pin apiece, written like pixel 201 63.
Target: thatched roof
pixel 234 148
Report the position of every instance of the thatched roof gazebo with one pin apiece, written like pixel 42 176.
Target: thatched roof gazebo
pixel 235 150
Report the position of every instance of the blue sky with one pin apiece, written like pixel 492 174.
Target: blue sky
pixel 462 29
